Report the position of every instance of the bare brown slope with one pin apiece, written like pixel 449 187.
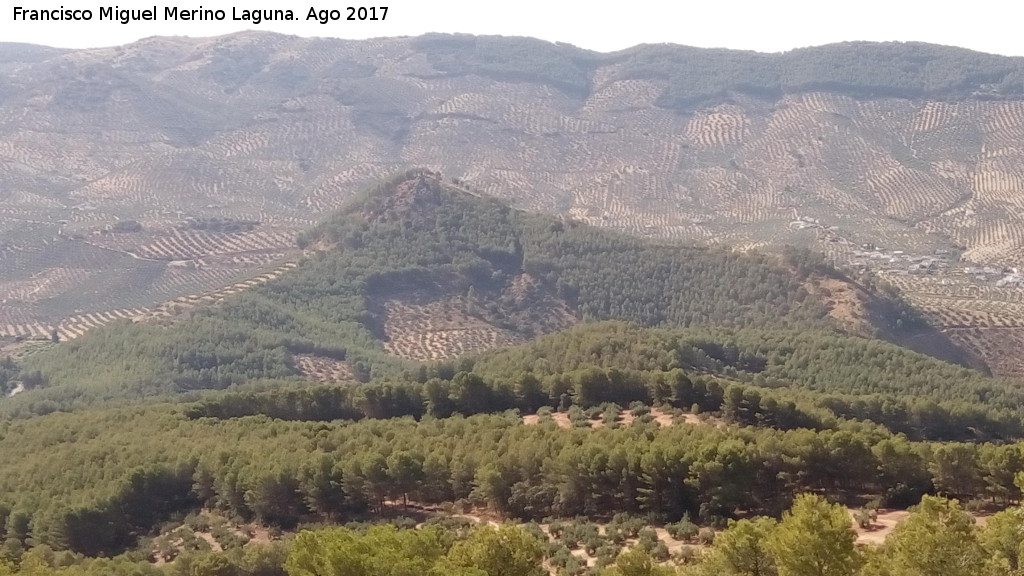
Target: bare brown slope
pixel 870 314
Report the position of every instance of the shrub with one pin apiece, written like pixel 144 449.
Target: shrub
pixel 686 555
pixel 639 409
pixel 606 555
pixel 648 539
pixel 684 529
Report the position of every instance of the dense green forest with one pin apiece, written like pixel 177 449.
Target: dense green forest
pixel 95 481
pixel 752 377
pixel 697 75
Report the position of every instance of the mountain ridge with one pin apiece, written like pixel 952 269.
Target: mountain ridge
pixel 110 152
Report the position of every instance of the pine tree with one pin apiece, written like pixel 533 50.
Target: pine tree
pixel 938 539
pixel 505 551
pixel 742 550
pixel 815 538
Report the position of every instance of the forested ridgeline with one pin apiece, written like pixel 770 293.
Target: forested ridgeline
pixel 696 75
pixel 95 481
pixel 756 376
pixel 818 360
pixel 781 379
pixel 414 237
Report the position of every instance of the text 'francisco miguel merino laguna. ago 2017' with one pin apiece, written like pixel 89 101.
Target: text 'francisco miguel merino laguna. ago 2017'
pixel 176 13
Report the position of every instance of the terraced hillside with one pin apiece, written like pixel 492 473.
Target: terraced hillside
pixel 883 155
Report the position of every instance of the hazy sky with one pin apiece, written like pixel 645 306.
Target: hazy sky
pixel 984 25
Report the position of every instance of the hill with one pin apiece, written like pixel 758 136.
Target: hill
pixel 418 269
pixel 141 178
